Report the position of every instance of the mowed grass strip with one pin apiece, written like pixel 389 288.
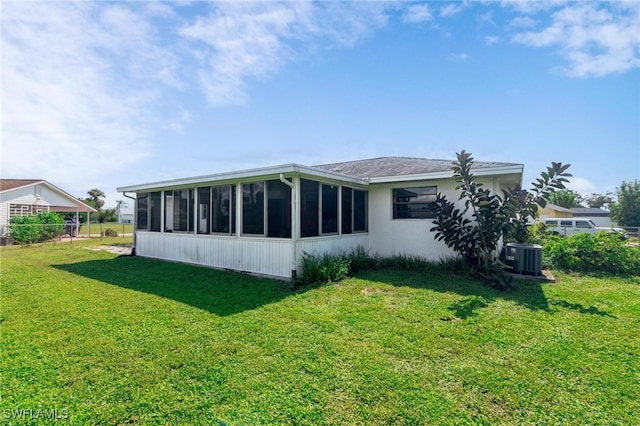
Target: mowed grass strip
pixel 120 340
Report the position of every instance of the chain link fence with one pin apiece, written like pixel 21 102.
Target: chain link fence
pixel 37 233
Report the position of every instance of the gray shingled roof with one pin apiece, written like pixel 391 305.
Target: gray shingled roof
pixel 398 166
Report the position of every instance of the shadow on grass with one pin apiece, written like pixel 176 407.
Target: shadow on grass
pixel 592 310
pixel 219 292
pixel 476 295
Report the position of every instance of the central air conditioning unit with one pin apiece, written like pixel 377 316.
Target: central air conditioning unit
pixel 525 258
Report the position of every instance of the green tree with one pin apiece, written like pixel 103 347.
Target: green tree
pixel 475 231
pixel 626 211
pixel 597 201
pixel 107 215
pixel 566 198
pixel 96 196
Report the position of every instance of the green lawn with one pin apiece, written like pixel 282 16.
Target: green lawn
pixel 98 228
pixel 126 340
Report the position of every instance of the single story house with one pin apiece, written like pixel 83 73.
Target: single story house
pixel 21 197
pixel 598 216
pixel 125 214
pixel 263 220
pixel 551 211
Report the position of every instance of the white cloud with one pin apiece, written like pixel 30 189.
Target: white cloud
pixel 596 40
pixel 63 108
pixel 534 6
pixel 458 57
pixel 522 22
pixel 417 13
pixel 242 40
pixel 452 9
pixel 581 185
pixel 491 40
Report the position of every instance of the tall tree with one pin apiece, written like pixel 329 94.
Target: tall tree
pixel 626 212
pixel 566 198
pixel 597 201
pixel 97 197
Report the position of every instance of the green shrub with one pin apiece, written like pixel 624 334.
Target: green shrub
pixel 406 262
pixel 36 228
pixel 110 233
pixel 603 252
pixel 323 269
pixel 538 233
pixel 360 259
pixel 453 264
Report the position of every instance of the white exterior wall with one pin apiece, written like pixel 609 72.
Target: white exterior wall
pixel 389 237
pixel 333 244
pixel 262 256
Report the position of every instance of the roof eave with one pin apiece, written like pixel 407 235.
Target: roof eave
pixel 243 175
pixel 489 171
pixel 84 207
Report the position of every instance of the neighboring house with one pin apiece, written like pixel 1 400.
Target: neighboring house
pixel 598 216
pixel 20 197
pixel 125 214
pixel 551 211
pixel 262 220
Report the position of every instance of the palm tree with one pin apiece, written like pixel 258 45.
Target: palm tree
pixel 96 196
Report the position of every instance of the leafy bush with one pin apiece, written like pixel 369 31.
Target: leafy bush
pixel 36 228
pixel 322 269
pixel 110 233
pixel 603 252
pixel 538 233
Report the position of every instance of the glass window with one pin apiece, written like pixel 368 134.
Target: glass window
pixel 309 196
pixel 177 208
pixel 414 203
pixel 223 208
pixel 329 209
pixel 155 211
pixel 204 210
pixel 359 211
pixel 582 224
pixel 347 210
pixel 278 209
pixel 253 208
pixel 142 207
pixel 566 223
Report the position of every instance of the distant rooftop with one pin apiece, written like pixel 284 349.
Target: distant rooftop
pixel 7 184
pixel 399 166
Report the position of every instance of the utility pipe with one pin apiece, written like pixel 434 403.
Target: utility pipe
pixel 135 223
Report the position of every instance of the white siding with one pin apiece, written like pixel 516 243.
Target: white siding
pixel 390 237
pixel 264 256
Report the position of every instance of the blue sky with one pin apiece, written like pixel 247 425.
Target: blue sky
pixel 107 94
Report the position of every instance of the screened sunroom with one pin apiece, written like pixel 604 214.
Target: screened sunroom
pixel 259 221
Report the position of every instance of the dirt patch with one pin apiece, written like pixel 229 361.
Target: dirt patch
pixel 124 249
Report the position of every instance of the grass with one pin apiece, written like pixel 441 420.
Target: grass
pixel 97 228
pixel 126 340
